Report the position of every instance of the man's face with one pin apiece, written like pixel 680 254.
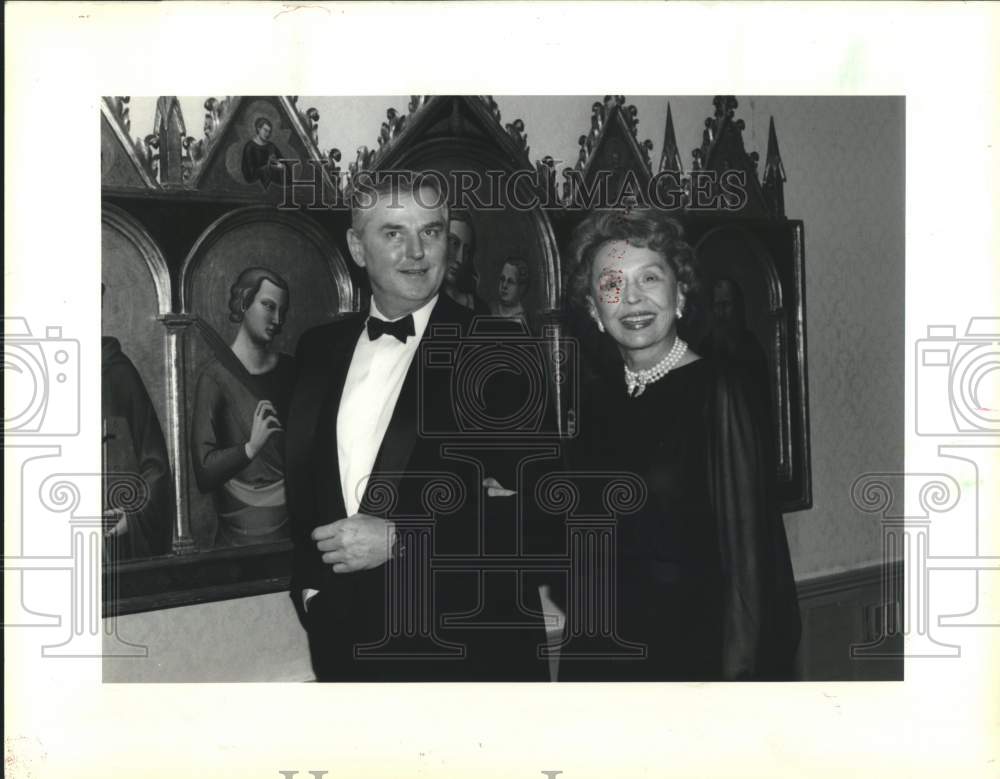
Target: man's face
pixel 509 289
pixel 264 131
pixel 404 249
pixel 459 246
pixel 264 316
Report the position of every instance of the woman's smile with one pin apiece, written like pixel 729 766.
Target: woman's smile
pixel 637 320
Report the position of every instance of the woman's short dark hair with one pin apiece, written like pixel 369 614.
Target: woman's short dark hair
pixel 639 227
pixel 259 122
pixel 246 287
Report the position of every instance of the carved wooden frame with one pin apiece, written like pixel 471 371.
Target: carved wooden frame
pixel 789 376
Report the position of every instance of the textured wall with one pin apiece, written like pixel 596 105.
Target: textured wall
pixel 844 158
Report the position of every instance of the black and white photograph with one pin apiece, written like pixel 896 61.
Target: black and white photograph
pixel 583 471
pixel 675 403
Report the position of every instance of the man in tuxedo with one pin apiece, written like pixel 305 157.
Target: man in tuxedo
pixel 371 493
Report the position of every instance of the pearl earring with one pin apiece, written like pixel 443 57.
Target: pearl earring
pixel 600 325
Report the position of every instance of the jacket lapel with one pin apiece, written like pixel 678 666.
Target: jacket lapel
pixel 340 363
pixel 401 436
pixel 320 393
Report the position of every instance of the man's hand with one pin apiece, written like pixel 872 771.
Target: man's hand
pixel 356 543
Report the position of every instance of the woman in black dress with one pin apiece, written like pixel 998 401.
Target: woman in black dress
pixel 702 575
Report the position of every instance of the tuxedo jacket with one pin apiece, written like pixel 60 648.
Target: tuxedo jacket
pixel 413 478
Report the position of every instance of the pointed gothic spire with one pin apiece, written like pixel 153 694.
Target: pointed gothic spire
pixel 670 159
pixel 774 175
pixel 168 127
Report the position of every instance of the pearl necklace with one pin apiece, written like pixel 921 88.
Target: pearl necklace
pixel 636 381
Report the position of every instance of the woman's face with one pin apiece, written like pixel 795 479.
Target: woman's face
pixel 634 294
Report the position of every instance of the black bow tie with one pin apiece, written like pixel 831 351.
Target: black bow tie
pixel 400 329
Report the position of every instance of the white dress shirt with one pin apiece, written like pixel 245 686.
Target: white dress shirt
pixel 371 389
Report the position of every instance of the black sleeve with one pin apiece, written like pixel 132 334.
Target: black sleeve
pixel 308 571
pixel 761 620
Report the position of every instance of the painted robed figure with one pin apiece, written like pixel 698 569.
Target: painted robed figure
pixel 241 402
